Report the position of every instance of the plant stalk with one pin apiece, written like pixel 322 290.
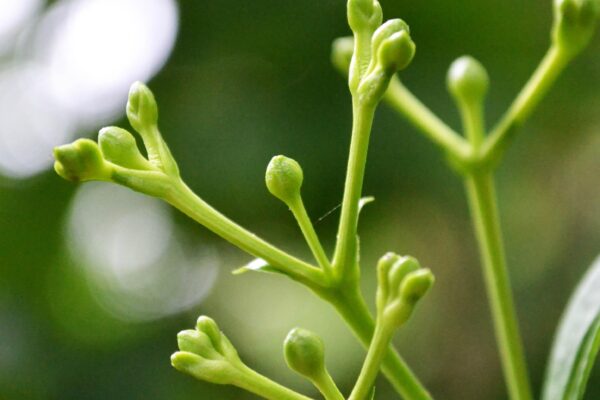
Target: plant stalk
pixel 482 202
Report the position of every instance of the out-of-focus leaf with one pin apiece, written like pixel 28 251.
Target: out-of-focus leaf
pixel 577 341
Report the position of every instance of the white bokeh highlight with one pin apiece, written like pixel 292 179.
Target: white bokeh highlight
pixel 128 249
pixel 72 70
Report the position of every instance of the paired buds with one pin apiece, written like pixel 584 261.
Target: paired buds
pixel 392 50
pixel 284 178
pixel 402 283
pixel 574 24
pixel 207 354
pixel 116 157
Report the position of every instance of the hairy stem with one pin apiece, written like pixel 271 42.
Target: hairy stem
pixel 482 201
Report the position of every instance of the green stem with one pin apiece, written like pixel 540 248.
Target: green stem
pixel 353 309
pixel 328 388
pixel 403 101
pixel 258 384
pixel 310 235
pixel 377 351
pixel 184 199
pixel 482 201
pixel 551 66
pixel 344 260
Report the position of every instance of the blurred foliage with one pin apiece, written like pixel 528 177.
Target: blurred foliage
pixel 249 80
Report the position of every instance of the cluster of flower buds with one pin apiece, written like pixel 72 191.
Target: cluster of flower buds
pixel 116 157
pixel 574 24
pixel 402 283
pixel 207 354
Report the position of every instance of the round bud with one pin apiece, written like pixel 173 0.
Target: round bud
pixel 467 80
pixel 304 352
pixel 284 178
pixel 119 147
pixel 341 53
pixel 142 110
pixel 80 161
pixel 415 285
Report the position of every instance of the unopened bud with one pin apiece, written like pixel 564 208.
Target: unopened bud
pixel 119 147
pixel 304 353
pixel 468 80
pixel 364 15
pixel 142 110
pixel 574 24
pixel 81 161
pixel 284 179
pixel 415 285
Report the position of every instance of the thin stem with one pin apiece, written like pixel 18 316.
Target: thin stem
pixel 403 101
pixel 551 66
pixel 344 260
pixel 258 384
pixel 353 309
pixel 310 235
pixel 184 199
pixel 482 201
pixel 377 351
pixel 327 387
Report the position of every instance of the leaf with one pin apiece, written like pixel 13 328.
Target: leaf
pixel 259 265
pixel 577 341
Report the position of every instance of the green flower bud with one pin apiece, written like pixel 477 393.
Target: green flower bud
pixel 284 179
pixel 393 49
pixel 206 354
pixel 194 341
pixel 402 282
pixel 574 24
pixel 119 147
pixel 214 371
pixel 142 110
pixel 415 285
pixel 305 353
pixel 364 15
pixel 392 46
pixel 341 53
pixel 210 328
pixel 467 80
pixel 81 161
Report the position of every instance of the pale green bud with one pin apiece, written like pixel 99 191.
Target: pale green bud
pixel 415 285
pixel 305 353
pixel 215 371
pixel 284 179
pixel 81 161
pixel 468 81
pixel 392 46
pixel 341 53
pixel 402 282
pixel 393 49
pixel 210 328
pixel 574 24
pixel 364 15
pixel 119 147
pixel 194 341
pixel 142 110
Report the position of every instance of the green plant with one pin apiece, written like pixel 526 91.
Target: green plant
pixel 371 59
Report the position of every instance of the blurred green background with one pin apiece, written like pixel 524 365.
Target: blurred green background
pixel 251 79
